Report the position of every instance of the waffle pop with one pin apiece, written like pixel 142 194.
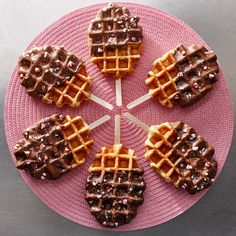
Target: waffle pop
pixel 54 146
pixel 54 75
pixel 115 40
pixel 181 77
pixel 179 154
pixel 115 185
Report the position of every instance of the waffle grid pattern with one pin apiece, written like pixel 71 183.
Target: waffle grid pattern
pixel 115 186
pixel 115 41
pixel 159 151
pixel 162 80
pixel 73 92
pixel 54 146
pixel 183 75
pixel 43 68
pixel 76 133
pixel 43 151
pixel 198 68
pixel 181 156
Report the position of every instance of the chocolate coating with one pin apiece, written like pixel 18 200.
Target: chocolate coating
pixel 115 196
pixel 115 186
pixel 197 69
pixel 181 156
pixel 113 28
pixel 43 68
pixel 194 158
pixel 44 152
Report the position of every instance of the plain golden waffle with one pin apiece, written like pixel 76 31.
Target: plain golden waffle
pixel 181 156
pixel 183 75
pixel 77 135
pixel 162 80
pixel 54 146
pixel 115 186
pixel 115 41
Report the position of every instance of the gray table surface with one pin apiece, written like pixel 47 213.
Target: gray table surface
pixel 22 213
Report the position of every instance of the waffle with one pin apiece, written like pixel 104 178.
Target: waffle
pixel 115 186
pixel 162 80
pixel 54 75
pixel 183 75
pixel 73 92
pixel 181 156
pixel 54 146
pixel 115 41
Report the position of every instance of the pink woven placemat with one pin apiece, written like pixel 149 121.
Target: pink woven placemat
pixel 211 117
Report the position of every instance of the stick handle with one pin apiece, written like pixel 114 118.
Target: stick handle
pixel 99 122
pixel 118 93
pixel 136 121
pixel 101 102
pixel 138 101
pixel 117 129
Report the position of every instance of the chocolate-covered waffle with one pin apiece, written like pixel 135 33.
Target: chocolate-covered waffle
pixel 115 186
pixel 181 156
pixel 115 40
pixel 183 75
pixel 54 75
pixel 53 146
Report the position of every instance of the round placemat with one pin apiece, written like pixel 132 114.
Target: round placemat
pixel 211 117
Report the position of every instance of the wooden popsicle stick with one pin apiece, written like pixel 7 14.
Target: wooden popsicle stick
pixel 117 129
pixel 136 121
pixel 118 93
pixel 138 101
pixel 99 122
pixel 101 102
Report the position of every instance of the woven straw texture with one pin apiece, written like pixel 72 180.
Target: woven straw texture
pixel 211 117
